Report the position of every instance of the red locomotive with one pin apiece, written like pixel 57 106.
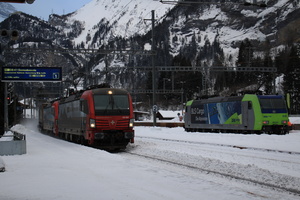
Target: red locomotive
pixel 101 117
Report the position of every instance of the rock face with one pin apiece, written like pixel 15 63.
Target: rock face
pixel 193 35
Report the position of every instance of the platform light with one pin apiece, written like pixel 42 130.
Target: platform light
pixel 18 1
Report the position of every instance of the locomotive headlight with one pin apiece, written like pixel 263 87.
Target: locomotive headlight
pixel 92 123
pixel 110 92
pixel 265 122
pixel 284 122
pixel 131 123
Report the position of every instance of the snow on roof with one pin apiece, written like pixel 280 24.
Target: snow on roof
pixel 169 114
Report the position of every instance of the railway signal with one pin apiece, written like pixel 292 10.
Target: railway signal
pixel 8 98
pixel 12 34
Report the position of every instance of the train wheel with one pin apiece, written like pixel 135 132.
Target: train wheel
pixel 66 137
pixel 83 141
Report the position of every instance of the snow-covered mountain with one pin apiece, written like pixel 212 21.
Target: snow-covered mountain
pixel 123 18
pixel 5 10
pixel 228 23
pixel 197 34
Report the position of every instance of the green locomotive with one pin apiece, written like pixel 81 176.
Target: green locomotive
pixel 242 114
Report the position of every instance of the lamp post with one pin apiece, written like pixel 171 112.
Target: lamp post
pixel 182 82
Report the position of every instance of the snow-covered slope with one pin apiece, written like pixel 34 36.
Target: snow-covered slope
pixel 5 10
pixel 229 24
pixel 124 17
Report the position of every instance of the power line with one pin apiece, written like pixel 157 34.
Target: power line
pixel 182 2
pixel 79 51
pixel 212 68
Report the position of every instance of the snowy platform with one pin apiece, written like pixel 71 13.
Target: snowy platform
pixel 57 169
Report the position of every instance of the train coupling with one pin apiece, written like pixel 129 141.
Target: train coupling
pixel 99 136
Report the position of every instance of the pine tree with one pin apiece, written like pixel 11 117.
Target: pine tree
pixel 267 77
pixel 245 59
pixel 292 80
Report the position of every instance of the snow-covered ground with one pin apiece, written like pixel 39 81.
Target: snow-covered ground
pixel 58 170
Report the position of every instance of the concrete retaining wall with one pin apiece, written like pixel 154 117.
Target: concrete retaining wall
pixel 17 146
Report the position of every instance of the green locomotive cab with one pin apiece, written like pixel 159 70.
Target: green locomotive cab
pixel 241 114
pixel 270 113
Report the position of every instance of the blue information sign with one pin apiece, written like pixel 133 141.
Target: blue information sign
pixel 23 74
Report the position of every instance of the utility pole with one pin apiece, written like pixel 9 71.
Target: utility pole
pixel 153 72
pixel 5 113
pixel 154 106
pixel 5 104
pixel 6 123
pixel 11 35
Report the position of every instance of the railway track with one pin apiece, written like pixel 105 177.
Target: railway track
pixel 226 149
pixel 207 158
pixel 203 146
pixel 281 188
pixel 223 145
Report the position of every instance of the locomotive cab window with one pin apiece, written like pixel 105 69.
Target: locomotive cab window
pixel 271 105
pixel 84 106
pixel 111 104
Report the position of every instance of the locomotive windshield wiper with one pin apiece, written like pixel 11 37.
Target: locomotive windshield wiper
pixel 114 106
pixel 118 108
pixel 111 102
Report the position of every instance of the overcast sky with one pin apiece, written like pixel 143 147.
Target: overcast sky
pixel 43 8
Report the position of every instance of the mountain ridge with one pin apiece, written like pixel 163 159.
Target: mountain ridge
pixel 202 35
